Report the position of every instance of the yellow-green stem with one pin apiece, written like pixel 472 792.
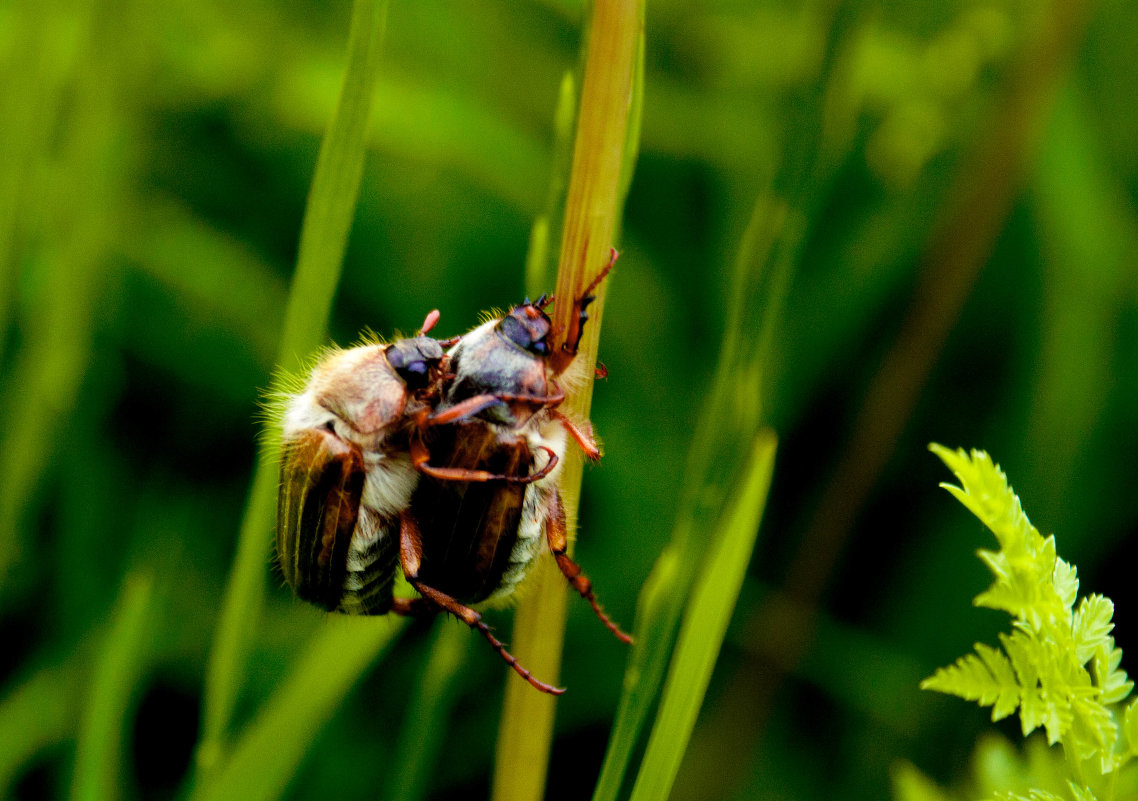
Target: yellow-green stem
pixel 590 223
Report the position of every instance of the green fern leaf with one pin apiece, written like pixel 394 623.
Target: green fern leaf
pixel 1033 795
pixel 1092 731
pixel 1059 666
pixel 985 677
pixel 1130 728
pixel 1066 581
pixel 1092 626
pixel 1111 679
pixel 1081 793
pixel 1027 656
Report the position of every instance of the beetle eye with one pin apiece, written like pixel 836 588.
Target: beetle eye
pixel 410 364
pixel 414 374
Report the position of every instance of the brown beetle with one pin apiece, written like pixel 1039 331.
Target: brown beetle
pixel 488 495
pixel 346 473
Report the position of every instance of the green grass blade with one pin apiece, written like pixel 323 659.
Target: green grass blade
pixel 98 754
pixel 420 738
pixel 80 203
pixel 731 416
pixel 660 606
pixel 268 752
pixel 704 626
pixel 328 216
pixel 335 189
pixel 38 713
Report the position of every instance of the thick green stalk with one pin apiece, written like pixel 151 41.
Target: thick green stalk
pixel 591 221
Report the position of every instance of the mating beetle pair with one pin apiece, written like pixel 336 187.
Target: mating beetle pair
pixel 443 463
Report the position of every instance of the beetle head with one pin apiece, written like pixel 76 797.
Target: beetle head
pixel 528 327
pixel 414 359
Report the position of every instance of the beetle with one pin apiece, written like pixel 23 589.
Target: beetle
pixel 346 473
pixel 488 495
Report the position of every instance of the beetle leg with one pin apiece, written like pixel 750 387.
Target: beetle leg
pixel 464 474
pixel 544 400
pixel 413 607
pixel 560 360
pixel 464 409
pixel 410 555
pixel 478 403
pixel 584 438
pixel 558 542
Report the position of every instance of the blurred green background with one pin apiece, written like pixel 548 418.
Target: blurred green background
pixel 962 180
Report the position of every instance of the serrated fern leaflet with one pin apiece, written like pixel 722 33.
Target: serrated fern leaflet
pixel 1058 667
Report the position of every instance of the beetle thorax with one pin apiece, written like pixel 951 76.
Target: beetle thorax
pixel 485 362
pixel 356 392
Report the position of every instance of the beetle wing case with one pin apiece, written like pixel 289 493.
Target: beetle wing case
pixel 470 528
pixel 322 481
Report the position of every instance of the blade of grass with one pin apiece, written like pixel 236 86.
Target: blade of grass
pixel 75 218
pixel 591 213
pixel 420 738
pixel 730 416
pixel 98 753
pixel 270 749
pixel 327 219
pixel 705 624
pixel 38 713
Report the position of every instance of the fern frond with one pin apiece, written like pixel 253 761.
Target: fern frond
pixel 1130 728
pixel 1077 792
pixel 1033 795
pixel 1031 582
pixel 1111 679
pixel 1081 793
pixel 984 490
pixel 986 677
pixel 1059 666
pixel 1066 581
pixel 1092 731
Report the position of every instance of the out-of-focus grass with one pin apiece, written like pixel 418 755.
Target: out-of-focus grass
pixel 323 239
pixel 266 753
pixel 120 662
pixel 731 416
pixel 705 623
pixel 431 704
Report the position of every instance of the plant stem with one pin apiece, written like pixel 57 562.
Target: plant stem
pixel 590 223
